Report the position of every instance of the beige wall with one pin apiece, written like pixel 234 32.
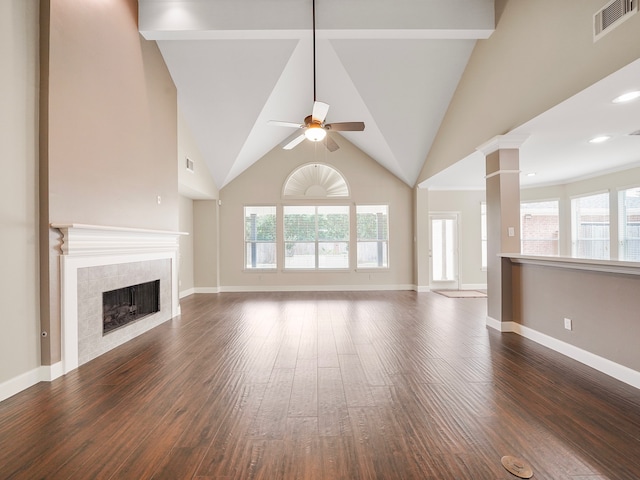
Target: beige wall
pixel 112 120
pixel 206 241
pixel 20 338
pixel 541 53
pixel 108 132
pixel 197 184
pixel 369 183
pixel 602 306
pixel 467 204
pixel 185 259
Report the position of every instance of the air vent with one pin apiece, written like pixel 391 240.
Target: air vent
pixel 637 132
pixel 189 164
pixel 612 15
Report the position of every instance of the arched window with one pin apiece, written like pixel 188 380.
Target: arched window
pixel 316 180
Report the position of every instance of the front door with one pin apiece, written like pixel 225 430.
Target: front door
pixel 443 251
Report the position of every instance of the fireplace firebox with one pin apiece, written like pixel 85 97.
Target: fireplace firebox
pixel 125 305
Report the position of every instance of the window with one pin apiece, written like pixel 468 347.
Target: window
pixel 260 237
pixel 539 227
pixel 590 226
pixel 316 237
pixel 483 234
pixel 629 224
pixel 373 236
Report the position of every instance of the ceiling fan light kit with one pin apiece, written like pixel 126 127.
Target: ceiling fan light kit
pixel 315 132
pixel 313 128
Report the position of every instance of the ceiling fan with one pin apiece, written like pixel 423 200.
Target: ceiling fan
pixel 313 127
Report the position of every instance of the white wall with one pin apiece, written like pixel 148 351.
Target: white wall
pixel 19 292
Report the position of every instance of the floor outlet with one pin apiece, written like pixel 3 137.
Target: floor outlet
pixel 568 324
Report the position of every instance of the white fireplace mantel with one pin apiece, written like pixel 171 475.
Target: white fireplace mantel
pixel 81 239
pixel 96 245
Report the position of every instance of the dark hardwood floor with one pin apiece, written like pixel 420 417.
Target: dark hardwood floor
pixel 376 385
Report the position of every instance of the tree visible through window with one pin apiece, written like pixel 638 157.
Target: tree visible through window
pixel 316 237
pixel 373 236
pixel 260 237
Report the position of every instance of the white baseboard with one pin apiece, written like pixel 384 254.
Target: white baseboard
pixel 496 324
pixel 604 365
pixel 46 373
pixel 186 293
pixel 422 289
pixel 315 288
pixel 206 290
pixel 473 286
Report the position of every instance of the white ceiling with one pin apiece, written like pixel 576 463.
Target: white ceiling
pixel 557 149
pixel 392 64
pixel 239 63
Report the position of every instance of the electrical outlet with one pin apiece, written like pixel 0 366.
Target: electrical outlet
pixel 568 324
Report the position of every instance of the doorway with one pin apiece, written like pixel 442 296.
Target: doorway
pixel 443 251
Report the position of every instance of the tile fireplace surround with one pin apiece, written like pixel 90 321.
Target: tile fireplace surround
pixel 100 258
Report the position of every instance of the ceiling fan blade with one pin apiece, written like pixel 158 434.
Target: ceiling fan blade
pixel 330 143
pixel 345 126
pixel 278 123
pixel 292 140
pixel 319 112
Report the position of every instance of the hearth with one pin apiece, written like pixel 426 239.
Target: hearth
pixel 125 305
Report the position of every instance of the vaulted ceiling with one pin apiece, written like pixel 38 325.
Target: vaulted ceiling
pixel 239 63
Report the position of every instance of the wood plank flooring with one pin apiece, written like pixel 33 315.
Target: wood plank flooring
pixel 369 385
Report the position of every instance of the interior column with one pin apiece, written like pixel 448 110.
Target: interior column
pixel 503 224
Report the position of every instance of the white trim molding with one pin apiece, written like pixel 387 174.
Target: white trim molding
pixel 604 365
pixel 314 288
pixel 92 246
pixel 589 264
pixel 45 373
pixel 503 142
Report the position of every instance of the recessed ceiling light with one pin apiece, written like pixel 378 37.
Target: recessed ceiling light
pixel 600 139
pixel 627 97
pixel 531 174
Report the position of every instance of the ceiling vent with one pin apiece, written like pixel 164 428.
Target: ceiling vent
pixel 637 132
pixel 612 15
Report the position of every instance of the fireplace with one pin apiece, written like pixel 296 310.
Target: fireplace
pixel 98 260
pixel 128 304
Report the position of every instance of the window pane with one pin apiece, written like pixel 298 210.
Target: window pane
pixel 316 237
pixel 629 224
pixel 437 250
pixel 300 255
pixel 372 254
pixel 590 226
pixel 260 255
pixel 540 227
pixel 333 255
pixel 373 234
pixel 299 224
pixel 260 237
pixel 333 223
